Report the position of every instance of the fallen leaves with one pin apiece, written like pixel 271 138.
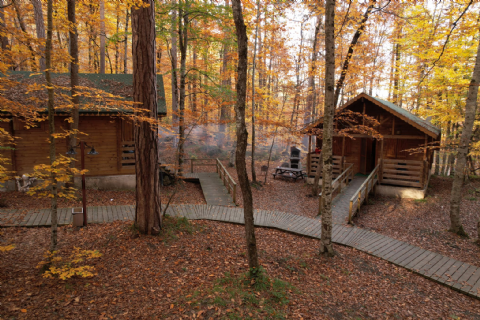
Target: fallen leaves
pixel 352 284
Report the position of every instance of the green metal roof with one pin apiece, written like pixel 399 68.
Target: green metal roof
pixel 100 83
pixel 419 121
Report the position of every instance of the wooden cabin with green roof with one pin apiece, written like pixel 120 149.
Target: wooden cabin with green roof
pixel 371 132
pixel 104 129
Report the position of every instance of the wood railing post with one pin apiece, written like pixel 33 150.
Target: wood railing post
pixel 350 212
pixel 191 165
pixel 359 201
pixel 366 193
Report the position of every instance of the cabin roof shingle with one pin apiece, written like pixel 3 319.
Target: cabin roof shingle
pixel 117 84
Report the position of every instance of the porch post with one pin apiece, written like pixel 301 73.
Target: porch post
pixel 380 173
pixel 343 153
pixel 308 155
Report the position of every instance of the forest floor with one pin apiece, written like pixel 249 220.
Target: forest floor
pixel 195 270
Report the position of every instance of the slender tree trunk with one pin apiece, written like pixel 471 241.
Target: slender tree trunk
pixel 3 38
pixel 242 136
pixel 125 44
pixel 183 37
pixel 451 158
pixel 326 246
pixel 349 56
pixel 254 175
pixel 102 37
pixel 148 208
pixel 463 146
pixel 51 124
pixel 311 79
pixel 72 139
pixel 23 27
pixel 40 27
pixel 173 54
pixel 448 141
pixel 116 42
pixel 396 76
pixel 437 162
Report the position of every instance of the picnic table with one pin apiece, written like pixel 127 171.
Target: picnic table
pixel 288 173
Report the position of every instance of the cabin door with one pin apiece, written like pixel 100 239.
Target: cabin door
pixel 367 155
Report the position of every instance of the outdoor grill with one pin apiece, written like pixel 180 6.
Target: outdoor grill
pixel 294 158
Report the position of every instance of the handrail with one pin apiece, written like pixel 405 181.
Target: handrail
pixel 358 193
pixel 227 179
pixel 203 164
pixel 340 179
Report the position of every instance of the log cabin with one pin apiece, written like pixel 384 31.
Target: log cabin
pixel 110 135
pixel 371 132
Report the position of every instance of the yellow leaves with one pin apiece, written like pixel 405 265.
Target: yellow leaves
pixel 7 248
pixel 23 310
pixel 70 267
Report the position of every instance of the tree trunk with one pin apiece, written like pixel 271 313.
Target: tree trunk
pixel 242 136
pixel 448 141
pixel 183 43
pixel 51 124
pixel 326 246
pixel 173 55
pixel 148 208
pixel 463 146
pixel 396 76
pixel 451 158
pixel 102 37
pixel 23 27
pixel 3 38
pixel 72 138
pixel 254 175
pixel 349 56
pixel 311 79
pixel 125 44
pixel 437 162
pixel 40 27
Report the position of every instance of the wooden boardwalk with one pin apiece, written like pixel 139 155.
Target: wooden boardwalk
pixel 455 274
pixel 213 189
pixel 341 203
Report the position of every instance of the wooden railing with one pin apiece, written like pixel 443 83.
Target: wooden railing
pixel 343 179
pixel 409 173
pixel 315 163
pixel 192 163
pixel 227 179
pixel 362 193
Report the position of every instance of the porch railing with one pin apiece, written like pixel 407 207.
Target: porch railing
pixel 227 179
pixel 342 180
pixel 315 164
pixel 362 193
pixel 408 173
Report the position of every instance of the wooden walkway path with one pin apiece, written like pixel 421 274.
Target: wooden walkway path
pixel 341 203
pixel 455 274
pixel 213 189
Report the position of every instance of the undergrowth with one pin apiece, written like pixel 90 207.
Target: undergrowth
pixel 244 297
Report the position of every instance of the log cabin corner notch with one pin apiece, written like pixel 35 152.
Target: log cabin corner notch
pixel 400 131
pixel 111 135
